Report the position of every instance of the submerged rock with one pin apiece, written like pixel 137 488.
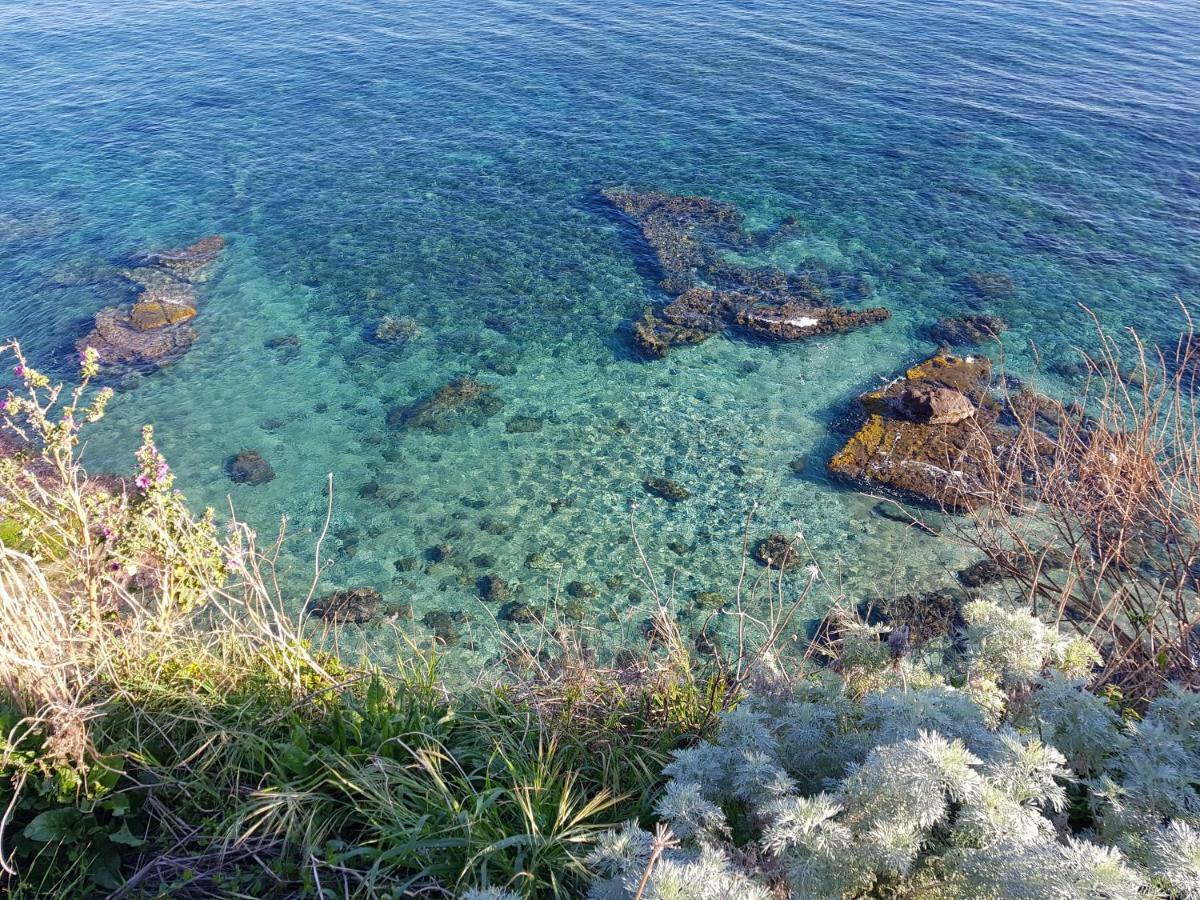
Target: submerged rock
pixel 666 489
pixel 189 263
pixel 791 321
pixel 524 424
pixel 494 588
pixel 521 613
pixel 655 337
pixel 357 605
pixel 396 329
pixel 461 402
pixel 124 347
pixel 933 434
pixel 445 625
pixel 776 552
pixel 970 328
pixel 249 467
pixel 583 590
pixel 689 237
pixel 990 284
pixel 925 615
pixel 154 330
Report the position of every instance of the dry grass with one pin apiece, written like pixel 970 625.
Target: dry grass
pixel 1092 510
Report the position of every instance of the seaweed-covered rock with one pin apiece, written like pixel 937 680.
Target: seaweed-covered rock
pixel 583 590
pixel 933 434
pixel 445 625
pixel 521 613
pixel 655 337
pixel 154 330
pixel 775 551
pixel 524 424
pixel 162 307
pixel 190 263
pixel 358 605
pixel 665 488
pixel 461 402
pixel 970 328
pixel 494 588
pixel 990 284
pixel 991 571
pixel 122 346
pixel 395 329
pixel 249 467
pixel 708 599
pixel 793 321
pixel 689 237
pixel 925 615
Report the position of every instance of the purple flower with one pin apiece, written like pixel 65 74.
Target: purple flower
pixel 142 481
pixel 19 370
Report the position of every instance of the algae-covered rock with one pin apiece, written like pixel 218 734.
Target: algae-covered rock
pixel 521 613
pixel 155 329
pixel 776 551
pixel 463 401
pixel 357 605
pixel 494 588
pixel 990 284
pixel 395 330
pixel 969 328
pixel 249 467
pixel 445 625
pixel 934 434
pixel 190 263
pixel 690 237
pixel 123 347
pixel 665 488
pixel 524 424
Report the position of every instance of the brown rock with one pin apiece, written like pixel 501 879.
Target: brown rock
pixel 939 463
pixel 689 236
pixel 160 307
pixel 655 337
pixel 936 405
pixel 120 344
pixel 792 321
pixel 776 552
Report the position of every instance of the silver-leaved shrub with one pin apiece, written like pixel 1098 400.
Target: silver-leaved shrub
pixel 986 771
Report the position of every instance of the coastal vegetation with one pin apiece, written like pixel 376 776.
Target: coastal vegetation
pixel 174 725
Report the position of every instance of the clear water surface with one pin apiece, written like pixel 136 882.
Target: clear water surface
pixel 442 161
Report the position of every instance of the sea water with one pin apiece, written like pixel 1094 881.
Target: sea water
pixel 442 161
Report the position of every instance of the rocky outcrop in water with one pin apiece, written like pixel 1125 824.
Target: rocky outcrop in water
pixel 689 237
pixel 155 329
pixel 461 402
pixel 929 435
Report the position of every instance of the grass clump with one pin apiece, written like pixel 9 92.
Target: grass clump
pixel 169 729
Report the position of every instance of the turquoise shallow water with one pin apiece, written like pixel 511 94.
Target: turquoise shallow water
pixel 443 161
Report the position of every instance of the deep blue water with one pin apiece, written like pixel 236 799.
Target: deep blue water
pixel 442 160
